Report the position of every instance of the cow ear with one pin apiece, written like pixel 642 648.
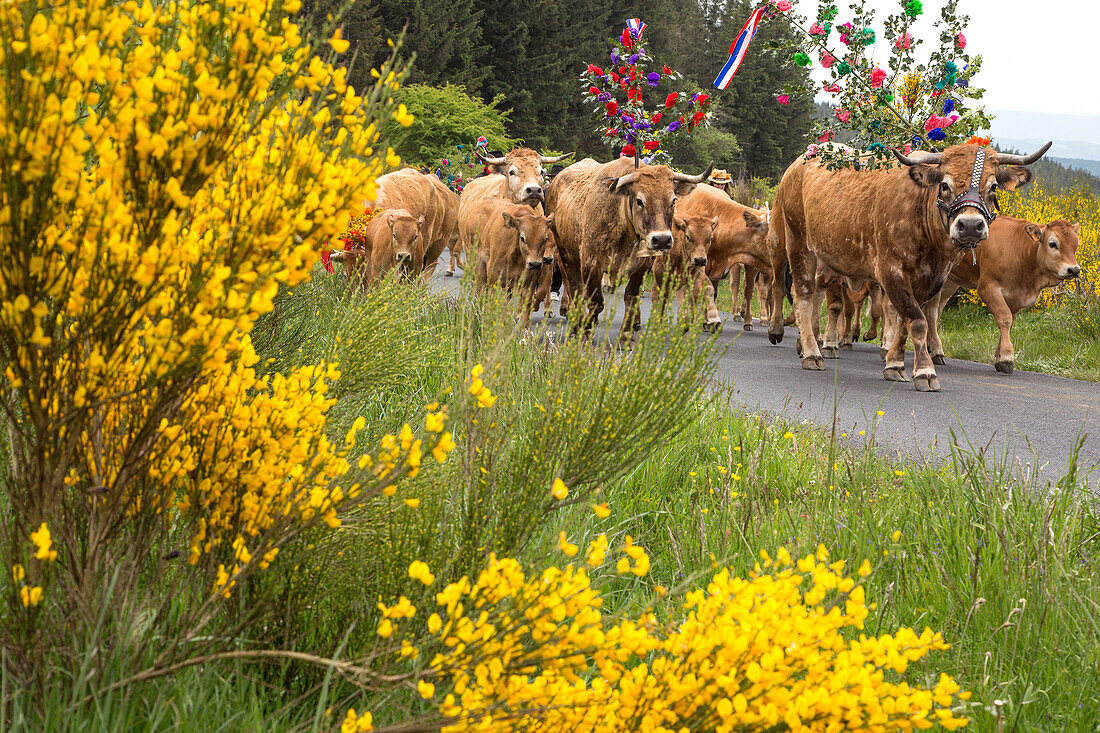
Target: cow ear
pixel 509 220
pixel 390 221
pixel 683 188
pixel 614 188
pixel 752 220
pixel 550 220
pixel 420 221
pixel 1012 177
pixel 713 224
pixel 1034 231
pixel 681 224
pixel 925 176
pixel 1077 227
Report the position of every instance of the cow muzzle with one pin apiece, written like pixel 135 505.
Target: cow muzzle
pixel 1069 273
pixel 660 241
pixel 547 260
pixel 402 256
pixel 699 261
pixel 534 264
pixel 532 194
pixel 967 230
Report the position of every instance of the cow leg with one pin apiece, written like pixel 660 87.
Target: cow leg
pixel 735 285
pixel 876 314
pixel 1005 358
pixel 746 302
pixel 833 297
pixel 913 320
pixel 704 292
pixel 849 323
pixel 803 287
pixel 764 297
pixel 932 311
pixel 632 317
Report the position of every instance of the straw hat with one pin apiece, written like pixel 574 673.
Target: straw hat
pixel 719 176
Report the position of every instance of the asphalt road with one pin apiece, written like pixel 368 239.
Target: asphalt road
pixel 1030 420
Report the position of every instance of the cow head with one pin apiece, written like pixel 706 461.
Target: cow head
pixel 650 193
pixel 524 173
pixel 406 239
pixel 693 243
pixel 532 235
pixel 1056 253
pixel 966 185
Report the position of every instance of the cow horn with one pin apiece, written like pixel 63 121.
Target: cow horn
pixel 930 159
pixel 1006 159
pixel 491 161
pixel 621 181
pixel 694 179
pixel 554 158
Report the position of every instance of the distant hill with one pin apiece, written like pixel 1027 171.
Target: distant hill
pixel 1090 166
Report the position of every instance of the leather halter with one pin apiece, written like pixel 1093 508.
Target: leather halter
pixel 973 197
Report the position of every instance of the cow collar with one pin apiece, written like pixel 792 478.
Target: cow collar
pixel 973 196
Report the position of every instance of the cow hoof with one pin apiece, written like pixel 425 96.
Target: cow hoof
pixel 870 336
pixel 747 326
pixel 846 347
pixel 715 327
pixel 938 360
pixel 775 338
pixel 882 354
pixel 816 363
pixel 1004 367
pixel 829 352
pixel 926 383
pixel 895 374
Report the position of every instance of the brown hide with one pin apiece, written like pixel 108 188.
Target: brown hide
pixel 1018 261
pixel 685 265
pixel 396 240
pixel 882 225
pixel 521 180
pixel 513 244
pixel 423 195
pixel 602 212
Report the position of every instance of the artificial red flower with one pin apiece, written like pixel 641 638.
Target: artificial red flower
pixel 593 69
pixel 825 136
pixel 326 260
pixel 651 144
pixel 702 99
pixel 670 100
pixel 612 108
pixel 666 71
pixel 626 39
pixel 843 115
pixel 593 90
pixel 698 116
pixel 622 70
pixel 656 117
pixel 975 140
pixel 614 77
pixel 783 99
pixel 877 77
pixel 629 150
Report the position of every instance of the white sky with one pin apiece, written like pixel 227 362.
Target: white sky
pixel 1037 55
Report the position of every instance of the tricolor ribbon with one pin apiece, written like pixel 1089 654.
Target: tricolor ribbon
pixel 635 26
pixel 739 48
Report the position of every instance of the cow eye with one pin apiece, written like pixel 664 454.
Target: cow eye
pixel 945 187
pixel 1053 244
pixel 511 173
pixel 639 202
pixel 522 238
pixel 673 201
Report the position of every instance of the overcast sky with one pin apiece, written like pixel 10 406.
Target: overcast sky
pixel 1037 56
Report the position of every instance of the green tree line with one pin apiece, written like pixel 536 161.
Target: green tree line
pixel 528 57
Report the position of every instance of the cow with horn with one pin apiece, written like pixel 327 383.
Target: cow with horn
pixel 904 227
pixel 611 212
pixel 518 177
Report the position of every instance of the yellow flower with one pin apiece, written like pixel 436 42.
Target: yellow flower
pixel 899 473
pixel 42 541
pixel 566 546
pixel 339 45
pixel 601 510
pixel 434 422
pixel 402 116
pixel 18 573
pixel 788 435
pixel 426 689
pixel 30 596
pixel 385 629
pixel 559 490
pixel 880 413
pixel 896 536
pixel 419 570
pixel 354 723
pixel 412 503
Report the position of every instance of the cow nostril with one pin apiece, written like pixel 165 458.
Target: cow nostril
pixel 661 241
pixel 1074 271
pixel 534 264
pixel 547 260
pixel 700 261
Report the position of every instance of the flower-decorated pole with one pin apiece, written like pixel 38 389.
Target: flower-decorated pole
pixel 618 94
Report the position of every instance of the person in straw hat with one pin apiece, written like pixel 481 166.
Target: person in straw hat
pixel 720 179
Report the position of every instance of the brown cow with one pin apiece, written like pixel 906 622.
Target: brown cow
pixel 685 264
pixel 394 239
pixel 904 227
pixel 1018 261
pixel 513 245
pixel 422 194
pixel 739 239
pixel 603 211
pixel 518 177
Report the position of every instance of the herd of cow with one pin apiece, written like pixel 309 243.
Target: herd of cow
pixel 905 236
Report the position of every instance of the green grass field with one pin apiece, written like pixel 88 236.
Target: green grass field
pixel 1005 566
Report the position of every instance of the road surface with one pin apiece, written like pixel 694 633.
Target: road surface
pixel 1033 420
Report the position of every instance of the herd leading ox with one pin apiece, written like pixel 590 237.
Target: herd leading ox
pixel 905 237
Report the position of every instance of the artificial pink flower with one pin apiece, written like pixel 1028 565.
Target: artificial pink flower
pixel 827 59
pixel 877 77
pixel 844 115
pixel 783 99
pixel 817 29
pixel 783 6
pixel 834 88
pixel 903 42
pixel 936 121
pixel 960 41
pixel 908 148
pixel 825 136
pixel 812 150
